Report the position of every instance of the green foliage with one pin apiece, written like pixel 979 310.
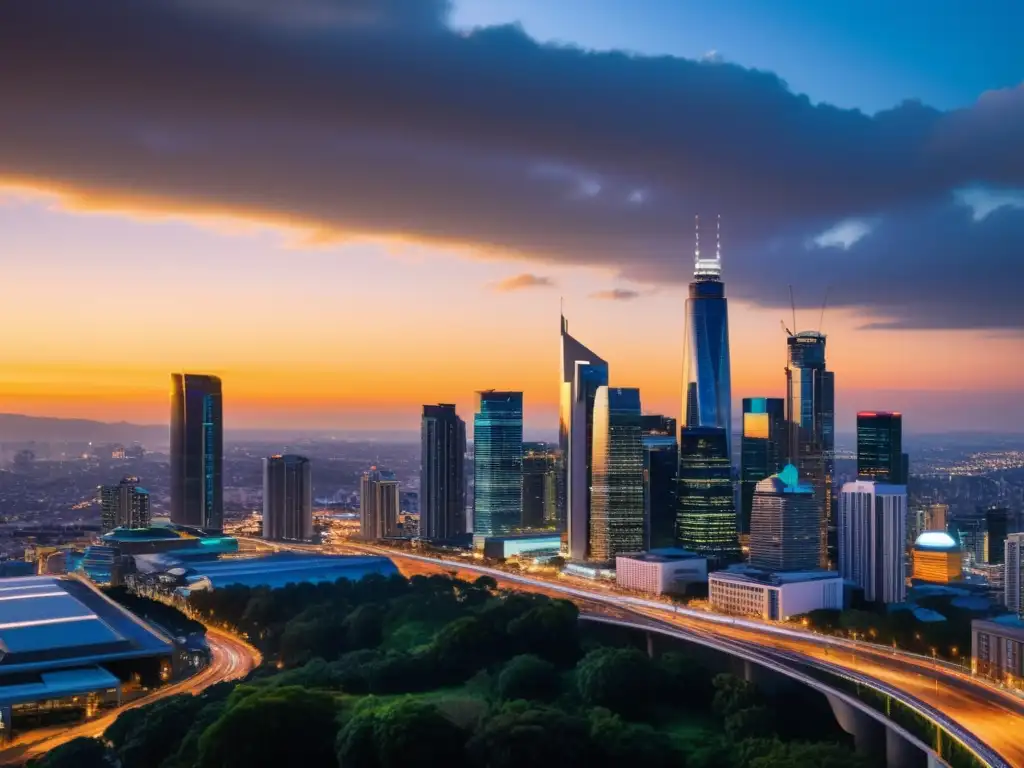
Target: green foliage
pixel 732 695
pixel 78 753
pixel 549 630
pixel 750 723
pixel 141 740
pixel 405 734
pixel 620 679
pixel 683 682
pixel 167 616
pixel 805 755
pixel 521 735
pixel 621 743
pixel 528 677
pixel 275 726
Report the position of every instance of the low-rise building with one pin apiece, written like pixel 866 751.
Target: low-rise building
pixel 937 558
pixel 746 591
pixel 660 571
pixel 525 545
pixel 997 649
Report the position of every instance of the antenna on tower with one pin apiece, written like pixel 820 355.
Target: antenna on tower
pixel 792 303
pixel 718 237
pixel 821 320
pixel 696 238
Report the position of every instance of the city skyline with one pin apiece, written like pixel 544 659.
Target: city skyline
pixel 553 238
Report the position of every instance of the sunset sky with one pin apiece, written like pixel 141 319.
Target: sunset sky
pixel 348 208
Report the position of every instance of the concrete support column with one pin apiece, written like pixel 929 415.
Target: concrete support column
pixel 900 752
pixel 650 645
pixel 868 734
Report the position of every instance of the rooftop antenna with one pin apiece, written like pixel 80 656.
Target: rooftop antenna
pixel 821 320
pixel 696 238
pixel 718 238
pixel 792 303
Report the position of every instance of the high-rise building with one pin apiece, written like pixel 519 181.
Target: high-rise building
pixel 996 531
pixel 540 485
pixel 707 382
pixel 378 504
pixel 810 406
pixel 707 506
pixel 442 494
pixel 197 451
pixel 880 447
pixel 936 517
pixel 287 498
pixel 582 373
pixel 661 470
pixel 498 463
pixel 617 500
pixel 872 534
pixel 970 532
pixel 784 524
pixel 762 448
pixel 125 505
pixel 1013 573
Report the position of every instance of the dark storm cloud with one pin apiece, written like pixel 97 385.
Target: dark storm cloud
pixel 374 117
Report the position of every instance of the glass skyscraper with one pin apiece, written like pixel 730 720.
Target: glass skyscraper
pixel 763 449
pixel 379 501
pixel 442 473
pixel 707 507
pixel 124 505
pixel 880 447
pixel 707 383
pixel 810 391
pixel 784 526
pixel 287 498
pixel 498 463
pixel 197 451
pixel 582 372
pixel 617 500
pixel 540 463
pixel 661 468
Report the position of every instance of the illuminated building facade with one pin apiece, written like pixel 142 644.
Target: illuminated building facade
pixel 936 517
pixel 498 463
pixel 197 451
pixel 762 448
pixel 540 486
pixel 707 507
pixel 707 381
pixel 784 524
pixel 287 498
pixel 880 447
pixel 1013 572
pixel 661 468
pixel 810 395
pixel 442 473
pixel 937 558
pixel 872 531
pixel 125 505
pixel 378 504
pixel 582 372
pixel 617 500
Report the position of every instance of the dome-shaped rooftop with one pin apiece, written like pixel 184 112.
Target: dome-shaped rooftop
pixel 936 540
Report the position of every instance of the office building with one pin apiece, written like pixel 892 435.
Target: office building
pixel 773 596
pixel 498 463
pixel 916 525
pixel 125 505
pixel 540 485
pixel 996 531
pixel 523 546
pixel 707 381
pixel 936 517
pixel 763 449
pixel 617 495
pixel 970 532
pixel 582 373
pixel 997 650
pixel 661 468
pixel 661 571
pixel 378 504
pixel 707 506
pixel 937 558
pixel 287 498
pixel 872 530
pixel 810 407
pixel 880 447
pixel 784 527
pixel 1013 571
pixel 442 495
pixel 197 451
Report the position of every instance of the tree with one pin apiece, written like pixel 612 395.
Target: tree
pixel 410 734
pixel 683 681
pixel 617 678
pixel 78 753
pixel 732 694
pixel 355 745
pixel 521 735
pixel 528 677
pixel 164 722
pixel 749 723
pixel 620 743
pixel 817 754
pixel 464 646
pixel 364 627
pixel 548 630
pixel 274 726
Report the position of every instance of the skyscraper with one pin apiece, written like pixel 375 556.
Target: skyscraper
pixel 707 506
pixel 872 532
pixel 287 498
pixel 784 524
pixel 810 406
pixel 540 486
pixel 125 505
pixel 378 504
pixel 1013 571
pixel 617 501
pixel 936 517
pixel 661 471
pixel 197 451
pixel 996 531
pixel 498 463
pixel 707 383
pixel 442 473
pixel 880 447
pixel 762 448
pixel 582 373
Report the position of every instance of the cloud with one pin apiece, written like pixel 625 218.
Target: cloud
pixel 843 235
pixel 523 281
pixel 616 294
pixel 374 119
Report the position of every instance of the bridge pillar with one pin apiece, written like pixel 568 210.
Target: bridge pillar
pixel 900 752
pixel 650 645
pixel 868 734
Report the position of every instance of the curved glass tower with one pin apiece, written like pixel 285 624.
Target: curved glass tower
pixel 707 383
pixel 197 451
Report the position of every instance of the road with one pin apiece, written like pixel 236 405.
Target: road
pixel 231 658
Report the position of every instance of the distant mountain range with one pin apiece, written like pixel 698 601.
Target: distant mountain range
pixel 16 428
